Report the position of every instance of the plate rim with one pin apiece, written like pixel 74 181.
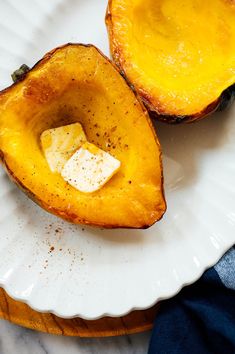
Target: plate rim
pixel 205 266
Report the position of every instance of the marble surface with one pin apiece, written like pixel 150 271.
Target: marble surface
pixel 18 340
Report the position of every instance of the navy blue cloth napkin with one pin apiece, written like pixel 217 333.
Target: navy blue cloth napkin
pixel 201 318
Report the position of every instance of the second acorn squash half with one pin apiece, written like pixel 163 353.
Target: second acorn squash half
pixel 178 55
pixel 76 83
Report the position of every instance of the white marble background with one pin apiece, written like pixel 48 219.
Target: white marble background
pixel 18 340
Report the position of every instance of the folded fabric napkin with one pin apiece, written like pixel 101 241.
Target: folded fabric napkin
pixel 201 318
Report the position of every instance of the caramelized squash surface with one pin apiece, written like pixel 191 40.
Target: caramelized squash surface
pixel 179 56
pixel 76 83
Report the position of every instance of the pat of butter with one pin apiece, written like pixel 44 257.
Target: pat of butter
pixel 59 144
pixel 89 168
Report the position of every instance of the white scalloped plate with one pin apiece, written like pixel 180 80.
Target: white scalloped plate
pixel 74 271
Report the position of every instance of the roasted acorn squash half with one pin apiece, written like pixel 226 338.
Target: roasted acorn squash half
pixel 178 55
pixel 76 83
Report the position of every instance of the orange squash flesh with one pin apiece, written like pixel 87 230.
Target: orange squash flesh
pixel 179 56
pixel 76 83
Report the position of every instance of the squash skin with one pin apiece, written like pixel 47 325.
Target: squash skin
pixel 224 100
pixel 154 215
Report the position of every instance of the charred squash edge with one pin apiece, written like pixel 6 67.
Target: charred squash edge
pixel 223 101
pixel 66 216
